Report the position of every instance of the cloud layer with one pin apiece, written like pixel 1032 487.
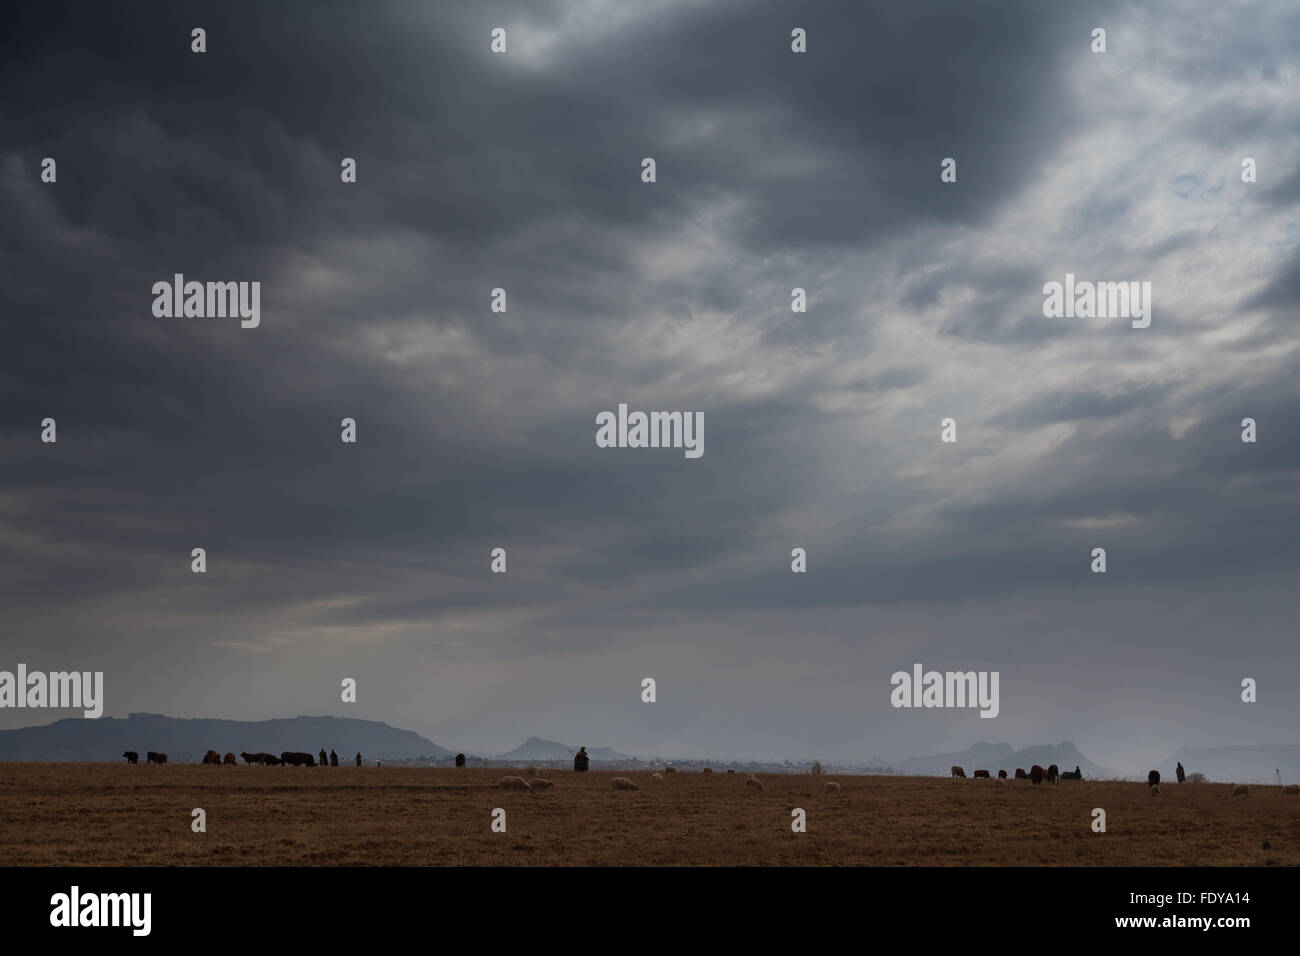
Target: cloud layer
pixel 476 429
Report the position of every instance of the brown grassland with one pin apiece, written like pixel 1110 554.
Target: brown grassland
pixel 117 814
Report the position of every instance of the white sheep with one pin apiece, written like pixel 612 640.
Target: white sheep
pixel 537 783
pixel 622 783
pixel 752 781
pixel 512 783
pixel 657 777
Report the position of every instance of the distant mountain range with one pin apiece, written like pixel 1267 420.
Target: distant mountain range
pixel 535 748
pixel 1238 763
pixel 187 740
pixel 995 757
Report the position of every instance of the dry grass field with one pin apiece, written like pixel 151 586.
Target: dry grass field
pixel 116 814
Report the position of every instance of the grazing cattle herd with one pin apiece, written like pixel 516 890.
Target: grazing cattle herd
pixel 296 758
pixel 291 757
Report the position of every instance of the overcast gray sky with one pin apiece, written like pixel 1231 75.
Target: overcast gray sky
pixel 476 429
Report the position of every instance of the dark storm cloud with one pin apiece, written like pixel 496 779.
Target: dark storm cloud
pixel 476 428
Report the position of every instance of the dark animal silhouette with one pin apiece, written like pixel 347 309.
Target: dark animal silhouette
pixel 982 773
pixel 1053 774
pixel 958 772
pixel 253 758
pixel 230 760
pixel 297 759
pixel 1182 777
pixel 1002 775
pixel 162 758
pixel 1036 773
pixel 1153 778
pixel 151 757
pixel 581 761
pixel 324 760
pixel 131 756
pixel 460 760
pixel 1075 774
pixel 1020 774
pixel 334 759
pixel 271 760
pixel 212 757
pixel 358 758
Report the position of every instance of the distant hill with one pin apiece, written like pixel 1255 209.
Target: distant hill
pixel 977 756
pixel 185 740
pixel 995 757
pixel 1239 763
pixel 535 749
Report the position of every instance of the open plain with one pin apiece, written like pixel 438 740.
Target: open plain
pixel 117 814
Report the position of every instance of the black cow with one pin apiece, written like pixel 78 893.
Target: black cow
pixel 1036 774
pixel 1053 774
pixel 1002 775
pixel 131 756
pixel 460 760
pixel 151 757
pixel 1153 778
pixel 1020 774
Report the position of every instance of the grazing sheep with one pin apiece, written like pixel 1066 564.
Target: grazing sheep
pixel 831 787
pixel 1002 775
pixel 1153 778
pixel 752 781
pixel 1155 790
pixel 982 773
pixel 958 772
pixel 532 770
pixel 657 777
pixel 670 769
pixel 707 770
pixel 537 783
pixel 1241 790
pixel 513 783
pixel 622 783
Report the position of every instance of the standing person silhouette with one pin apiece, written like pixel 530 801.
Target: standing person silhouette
pixel 1182 777
pixel 580 760
pixel 358 758
pixel 334 759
